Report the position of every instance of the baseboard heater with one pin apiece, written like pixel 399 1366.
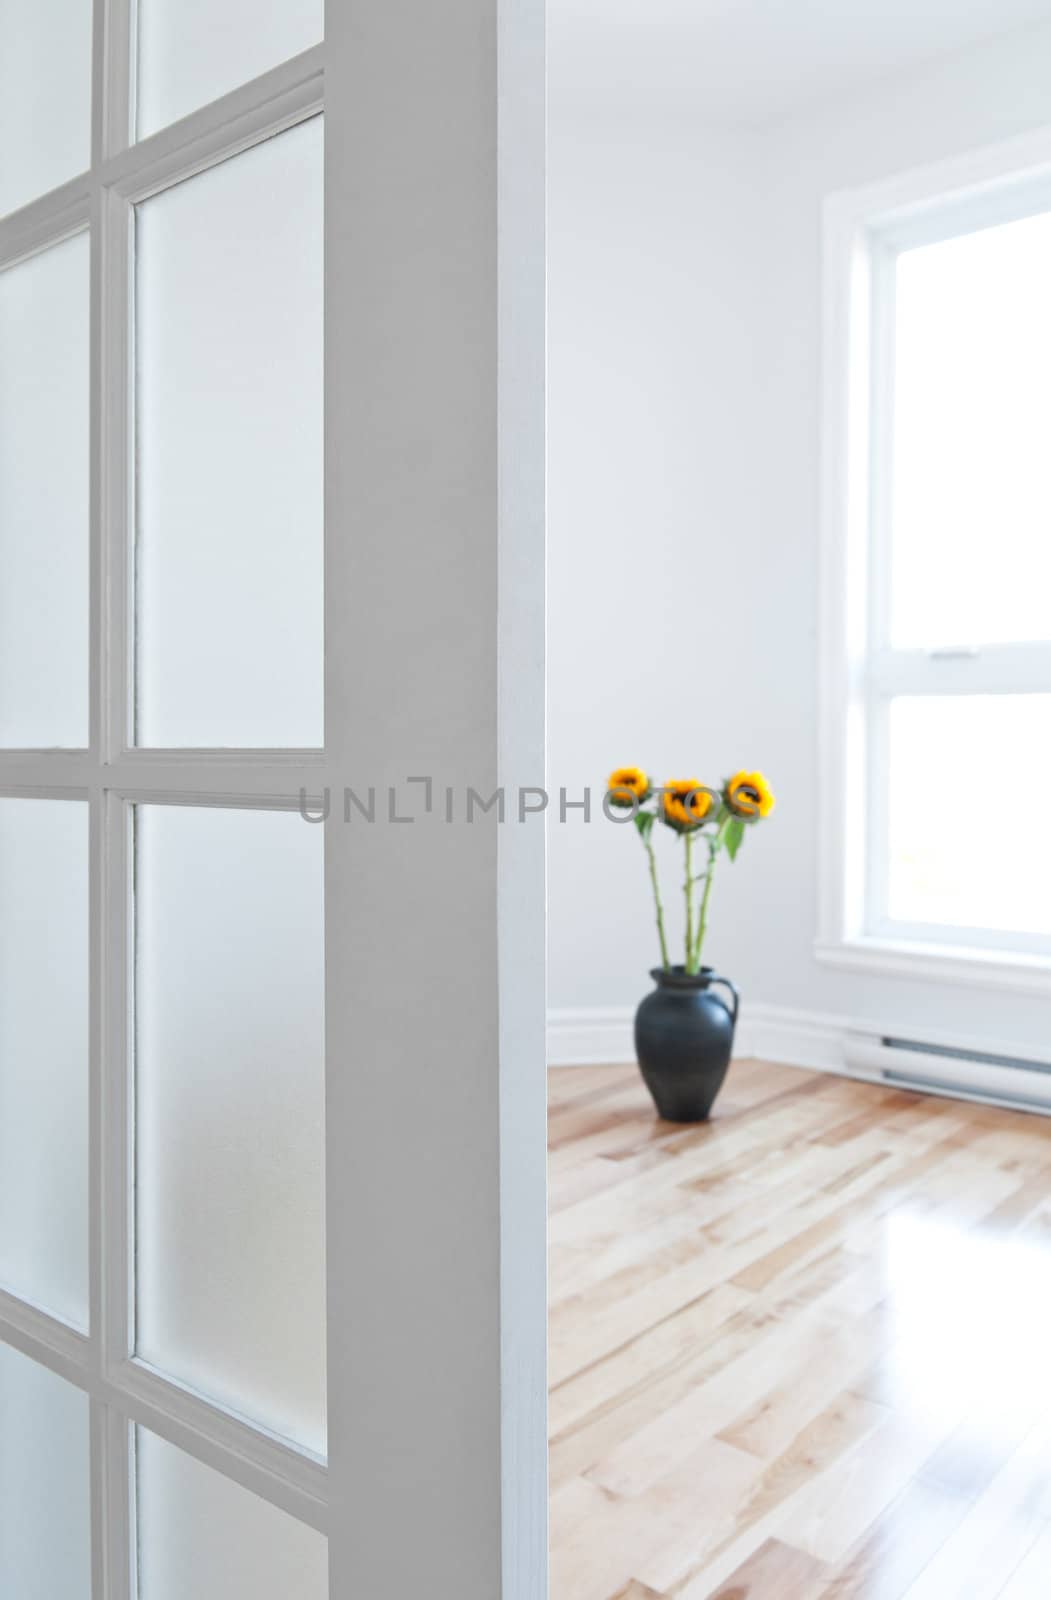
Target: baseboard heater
pixel 940 1069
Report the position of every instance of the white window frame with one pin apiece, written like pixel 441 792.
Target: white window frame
pixel 436 1110
pixel 859 671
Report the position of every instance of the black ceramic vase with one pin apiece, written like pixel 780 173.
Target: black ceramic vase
pixel 684 1035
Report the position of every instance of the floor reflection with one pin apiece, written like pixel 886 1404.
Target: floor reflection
pixel 801 1353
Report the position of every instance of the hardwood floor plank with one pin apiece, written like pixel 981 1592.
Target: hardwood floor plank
pixel 835 1509
pixel 999 1529
pixel 803 1391
pixel 1029 1581
pixel 660 1351
pixel 901 1543
pixel 759 1515
pixel 697 1506
pixel 775 1572
pixel 800 1352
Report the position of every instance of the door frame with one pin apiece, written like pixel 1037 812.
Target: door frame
pixel 435 601
pixel 435 140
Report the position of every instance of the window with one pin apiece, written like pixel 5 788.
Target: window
pixel 937 605
pixel 162 947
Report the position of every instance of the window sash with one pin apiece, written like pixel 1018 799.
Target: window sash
pixel 886 673
pixel 987 669
pixel 861 674
pixel 876 921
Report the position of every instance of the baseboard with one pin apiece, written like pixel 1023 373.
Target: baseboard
pixel 815 1040
pixel 594 1036
pixel 793 1038
pixel 589 1036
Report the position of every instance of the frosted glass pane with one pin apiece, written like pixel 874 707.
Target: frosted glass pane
pixel 44 1054
pixel 202 1536
pixel 230 1111
pixel 45 96
pixel 44 498
pixel 45 1517
pixel 972 473
pixel 968 846
pixel 193 51
pixel 229 357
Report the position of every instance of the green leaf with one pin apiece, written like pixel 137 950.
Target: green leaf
pixel 644 821
pixel 734 837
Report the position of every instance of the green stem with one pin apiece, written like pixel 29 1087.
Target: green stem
pixel 657 902
pixel 702 925
pixel 688 886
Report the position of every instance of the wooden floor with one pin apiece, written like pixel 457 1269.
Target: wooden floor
pixel 800 1353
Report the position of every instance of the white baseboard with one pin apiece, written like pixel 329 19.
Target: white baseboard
pixel 588 1036
pixel 592 1036
pixel 816 1040
pixel 793 1038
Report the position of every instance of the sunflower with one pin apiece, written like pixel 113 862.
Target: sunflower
pixel 749 795
pixel 685 803
pixel 628 786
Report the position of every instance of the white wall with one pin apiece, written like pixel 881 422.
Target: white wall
pixel 684 446
pixel 654 272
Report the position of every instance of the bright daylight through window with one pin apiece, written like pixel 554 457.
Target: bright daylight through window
pixel 948 631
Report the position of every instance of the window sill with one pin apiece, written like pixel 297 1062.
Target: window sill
pixel 1009 971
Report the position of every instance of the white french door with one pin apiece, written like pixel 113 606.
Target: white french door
pixel 271 1094
pixel 162 1371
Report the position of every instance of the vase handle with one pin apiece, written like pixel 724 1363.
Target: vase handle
pixel 712 981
